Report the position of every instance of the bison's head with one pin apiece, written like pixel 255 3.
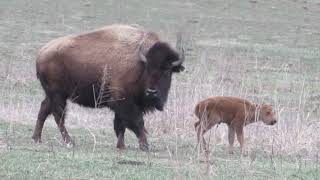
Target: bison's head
pixel 160 62
pixel 266 114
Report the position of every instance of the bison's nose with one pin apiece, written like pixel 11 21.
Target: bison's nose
pixel 273 122
pixel 151 92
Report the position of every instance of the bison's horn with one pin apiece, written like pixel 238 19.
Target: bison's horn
pixel 180 48
pixel 141 55
pixel 181 59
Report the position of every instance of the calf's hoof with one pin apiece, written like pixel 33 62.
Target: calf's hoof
pixel 204 149
pixel 230 151
pixel 244 153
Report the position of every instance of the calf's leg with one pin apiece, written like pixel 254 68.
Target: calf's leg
pixel 196 124
pixel 203 127
pixel 240 138
pixel 231 135
pixel 200 136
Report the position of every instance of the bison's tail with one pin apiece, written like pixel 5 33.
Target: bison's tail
pixel 43 81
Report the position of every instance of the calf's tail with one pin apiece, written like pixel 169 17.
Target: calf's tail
pixel 197 113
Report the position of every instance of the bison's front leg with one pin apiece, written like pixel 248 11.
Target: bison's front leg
pixel 119 128
pixel 137 126
pixel 128 115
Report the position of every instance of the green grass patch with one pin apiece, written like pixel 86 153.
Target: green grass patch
pixel 169 158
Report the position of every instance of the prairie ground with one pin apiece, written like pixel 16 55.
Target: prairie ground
pixel 265 51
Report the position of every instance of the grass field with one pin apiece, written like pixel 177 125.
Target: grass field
pixel 171 157
pixel 265 51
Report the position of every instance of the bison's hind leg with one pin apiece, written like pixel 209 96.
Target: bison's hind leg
pixel 59 103
pixel 45 110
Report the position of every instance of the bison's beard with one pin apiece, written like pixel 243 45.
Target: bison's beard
pixel 153 102
pixel 159 105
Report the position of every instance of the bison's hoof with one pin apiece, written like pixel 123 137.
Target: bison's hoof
pixel 144 147
pixel 69 142
pixel 121 146
pixel 36 140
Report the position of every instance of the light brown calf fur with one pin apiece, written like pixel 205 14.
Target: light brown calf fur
pixel 233 111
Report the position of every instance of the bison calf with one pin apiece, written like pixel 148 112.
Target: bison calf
pixel 233 111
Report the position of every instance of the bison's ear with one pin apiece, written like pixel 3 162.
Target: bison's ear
pixel 142 57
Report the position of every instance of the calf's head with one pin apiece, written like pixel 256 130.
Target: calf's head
pixel 160 62
pixel 266 114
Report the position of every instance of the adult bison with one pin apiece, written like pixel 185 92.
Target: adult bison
pixel 124 68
